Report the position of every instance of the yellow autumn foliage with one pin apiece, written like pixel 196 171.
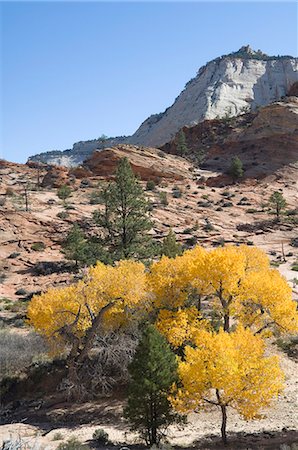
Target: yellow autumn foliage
pixel 124 284
pixel 228 369
pixel 237 283
pixel 180 326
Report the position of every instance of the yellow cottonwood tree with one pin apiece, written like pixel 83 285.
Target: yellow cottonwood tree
pixel 71 318
pixel 234 284
pixel 228 370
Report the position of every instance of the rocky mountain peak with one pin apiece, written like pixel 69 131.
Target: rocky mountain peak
pixel 227 86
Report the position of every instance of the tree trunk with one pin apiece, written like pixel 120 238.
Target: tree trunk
pixel 78 353
pixel 224 424
pixel 226 322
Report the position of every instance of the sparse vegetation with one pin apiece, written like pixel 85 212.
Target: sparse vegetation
pixel 64 192
pixel 58 436
pixel 95 198
pixel 17 351
pixel 72 444
pixel 150 185
pixel 236 168
pixel 74 246
pixel 176 192
pixel 63 215
pixel 182 148
pixel 101 436
pixel 170 247
pixel 38 246
pixel 277 203
pixel 163 198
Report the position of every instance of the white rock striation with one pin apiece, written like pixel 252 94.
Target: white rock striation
pixel 228 85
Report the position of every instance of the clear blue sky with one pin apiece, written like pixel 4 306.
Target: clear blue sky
pixel 72 71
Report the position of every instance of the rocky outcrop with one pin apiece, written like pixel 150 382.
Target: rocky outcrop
pixel 226 86
pixel 147 163
pixel 265 141
pixel 55 177
pixel 79 152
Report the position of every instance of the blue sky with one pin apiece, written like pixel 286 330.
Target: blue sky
pixel 71 71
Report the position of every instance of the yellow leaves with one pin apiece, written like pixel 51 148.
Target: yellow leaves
pixel 255 258
pixel 234 366
pixel 123 285
pixel 265 297
pixel 180 327
pixel 232 282
pixel 225 267
pixel 236 282
pixel 168 280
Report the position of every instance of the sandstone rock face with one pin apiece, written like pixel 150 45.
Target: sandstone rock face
pixel 223 87
pixel 79 152
pixel 147 163
pixel 265 141
pixel 226 86
pixel 55 177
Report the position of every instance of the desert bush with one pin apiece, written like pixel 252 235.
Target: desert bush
pixel 64 192
pixel 3 277
pixel 57 436
pixel 2 200
pixel 226 194
pixel 163 198
pixel 176 192
pixel 251 211
pixel 18 351
pixel 38 246
pixel 289 345
pixel 101 436
pixel 14 255
pixel 191 241
pixel 226 204
pixel 68 207
pixel 21 291
pixel 208 226
pixel 150 185
pixel 9 192
pixel 49 267
pixel 204 204
pixel 95 198
pixel 294 242
pixel 62 215
pixel 85 183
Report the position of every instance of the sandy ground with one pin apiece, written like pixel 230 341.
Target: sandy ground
pixel 281 420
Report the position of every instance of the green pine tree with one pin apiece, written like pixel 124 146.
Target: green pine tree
pixel 236 168
pixel 182 148
pixel 125 221
pixel 75 245
pixel 170 247
pixel 64 192
pixel 153 372
pixel 278 203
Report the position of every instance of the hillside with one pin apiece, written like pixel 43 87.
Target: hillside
pixel 209 209
pixel 265 141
